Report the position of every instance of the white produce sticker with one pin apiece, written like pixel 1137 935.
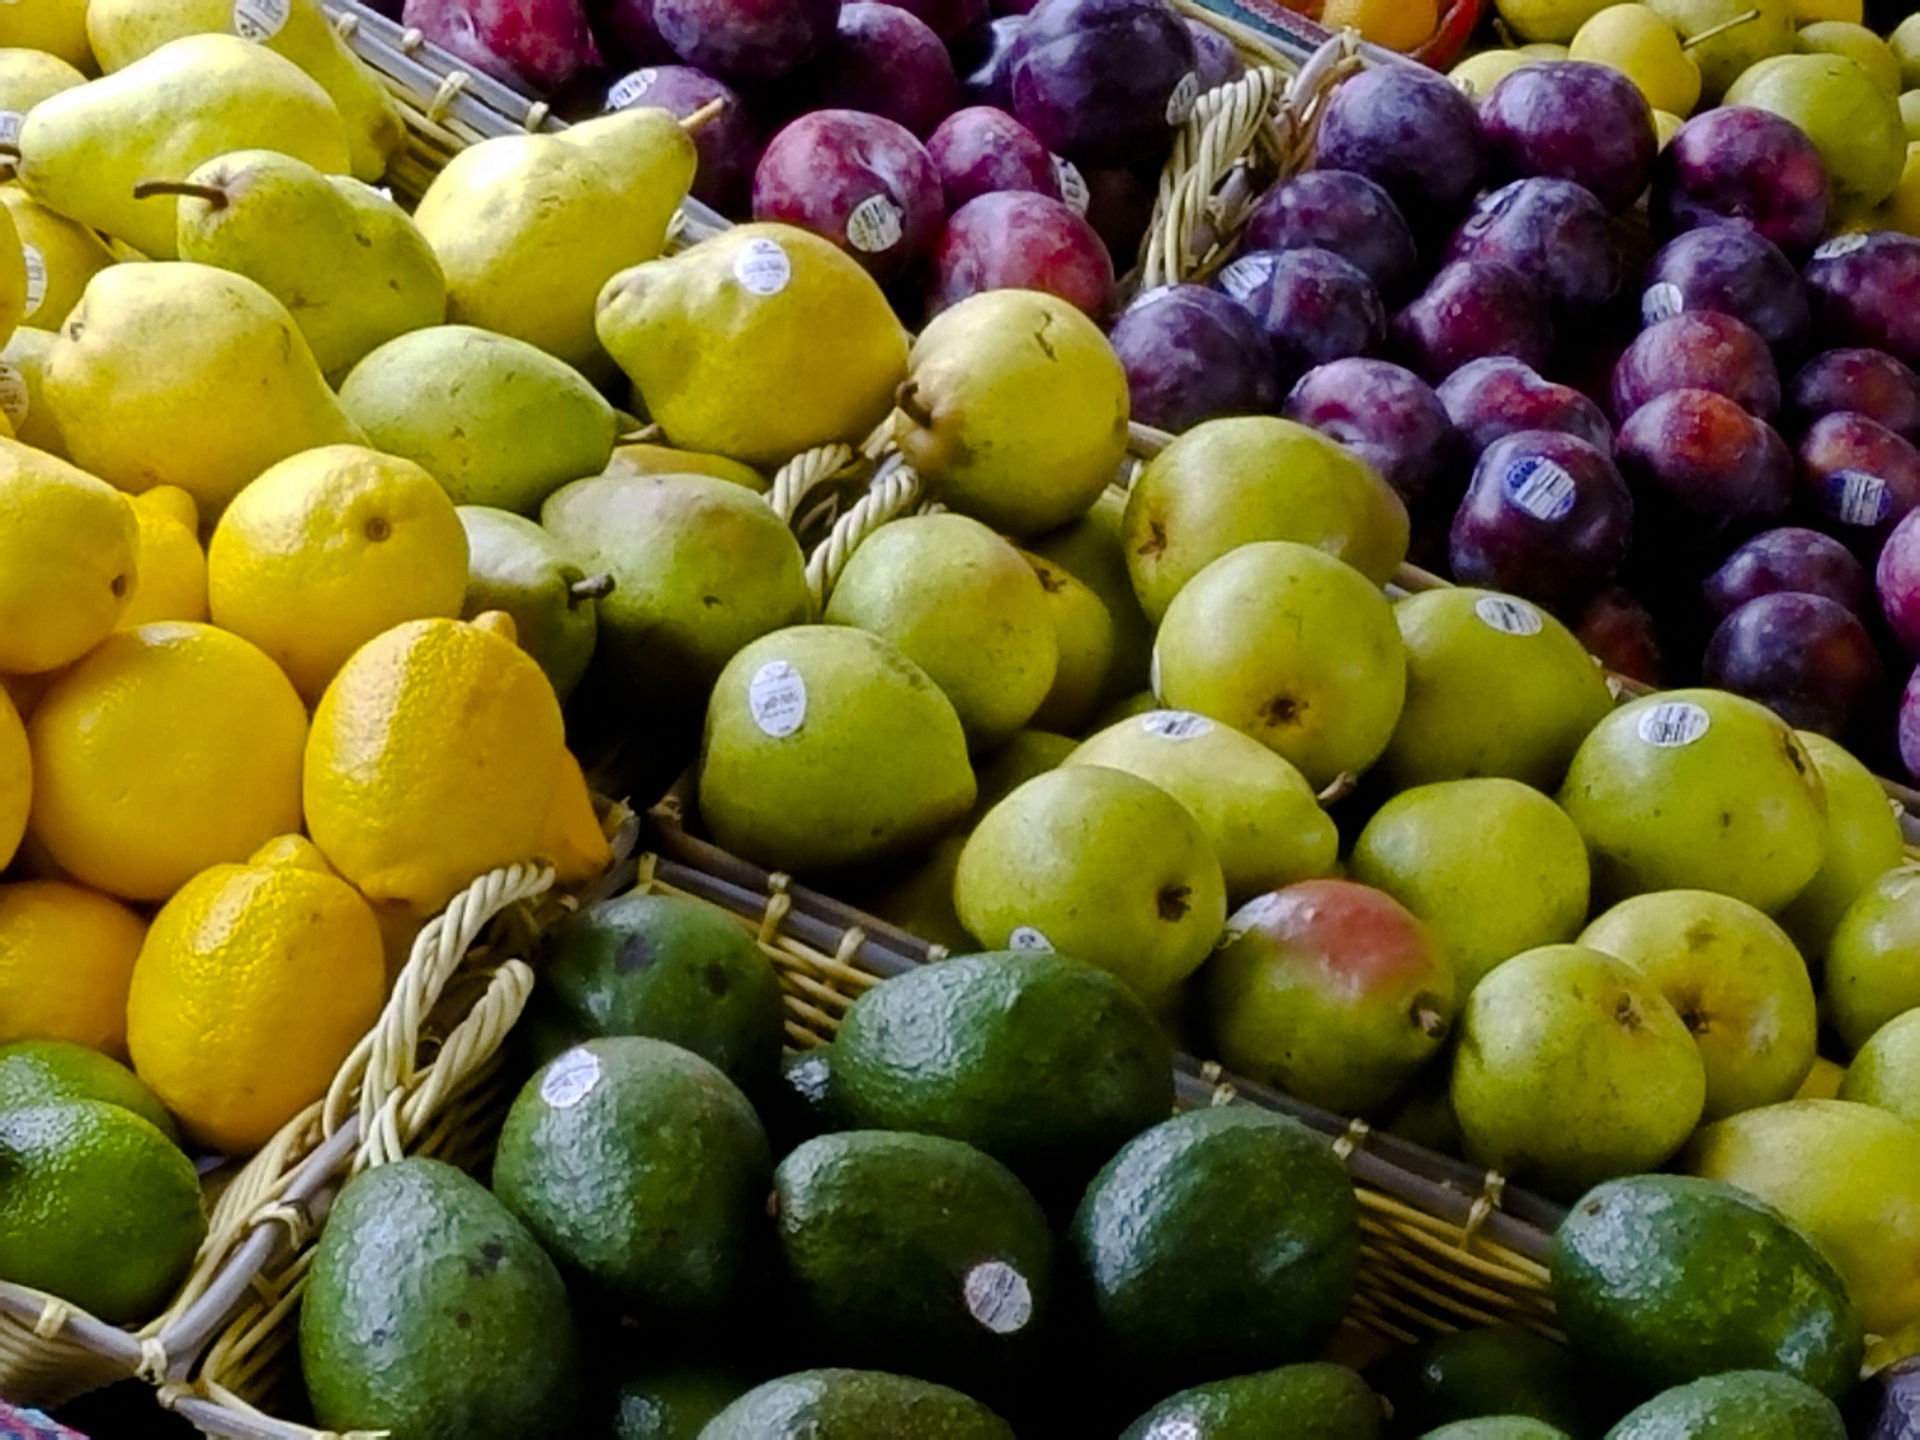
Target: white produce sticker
pixel 10 121
pixel 1507 615
pixel 570 1079
pixel 36 279
pixel 1025 937
pixel 631 88
pixel 1541 488
pixel 1180 102
pixel 1855 497
pixel 1662 301
pixel 876 224
pixel 1176 1427
pixel 1840 245
pixel 1176 724
pixel 13 394
pixel 260 20
pixel 777 696
pixel 1073 185
pixel 1254 913
pixel 998 1296
pixel 762 266
pixel 1244 276
pixel 1673 723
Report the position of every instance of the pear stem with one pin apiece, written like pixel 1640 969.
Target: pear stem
pixel 695 122
pixel 9 152
pixel 1430 1022
pixel 212 194
pixel 1746 17
pixel 1341 786
pixel 907 400
pixel 594 587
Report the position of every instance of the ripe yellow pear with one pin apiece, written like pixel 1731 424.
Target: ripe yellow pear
pixel 13 278
pixel 58 27
pixel 23 400
pixel 26 78
pixel 1647 50
pixel 59 255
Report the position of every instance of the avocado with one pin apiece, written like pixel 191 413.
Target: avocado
pixel 433 1314
pixel 1500 1370
pixel 1220 1242
pixel 1498 1427
pixel 1315 1401
pixel 1739 1405
pixel 640 1167
pixel 913 1252
pixel 666 966
pixel 855 1405
pixel 1661 1279
pixel 1046 1064
pixel 673 1402
pixel 799 1104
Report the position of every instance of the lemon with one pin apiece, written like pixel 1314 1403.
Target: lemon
pixel 66 957
pixel 1550 20
pixel 1853 123
pixel 1646 49
pixel 437 754
pixel 1857 43
pixel 16 780
pixel 168 749
pixel 328 549
pixel 173 570
pixel 68 544
pixel 1478 74
pixel 1397 24
pixel 255 983
pixel 41 1072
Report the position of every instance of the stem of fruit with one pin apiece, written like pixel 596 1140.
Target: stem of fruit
pixel 1431 1022
pixel 709 111
pixel 594 587
pixel 1746 17
pixel 212 194
pixel 907 400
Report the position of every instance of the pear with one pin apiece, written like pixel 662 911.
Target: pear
pixel 1261 817
pixel 122 31
pixel 1083 633
pixel 179 374
pixel 826 749
pixel 23 380
pixel 1853 123
pixel 1698 790
pixel 964 606
pixel 920 902
pixel 1090 549
pixel 58 27
pixel 1744 32
pixel 59 256
pixel 701 567
pixel 1226 482
pixel 83 151
pixel 1015 410
pixel 1870 975
pixel 494 420
pixel 1027 754
pixel 1886 1072
pixel 344 259
pixel 26 78
pixel 515 566
pixel 644 459
pixel 14 279
pixel 529 227
pixel 1863 843
pixel 1100 866
pixel 708 334
pixel 1292 646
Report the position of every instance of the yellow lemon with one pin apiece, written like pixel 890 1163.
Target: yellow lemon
pixel 1396 24
pixel 168 749
pixel 67 559
pixel 437 754
pixel 66 958
pixel 328 549
pixel 254 984
pixel 16 780
pixel 173 568
pixel 1646 49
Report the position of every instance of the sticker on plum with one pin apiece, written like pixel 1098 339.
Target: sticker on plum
pixel 260 20
pixel 777 697
pixel 1025 937
pixel 762 266
pixel 1180 102
pixel 1841 245
pixel 876 224
pixel 631 88
pixel 13 395
pixel 1673 724
pixel 1662 301
pixel 998 1297
pixel 36 264
pixel 1540 487
pixel 1073 185
pixel 1244 276
pixel 571 1078
pixel 1854 497
pixel 1508 615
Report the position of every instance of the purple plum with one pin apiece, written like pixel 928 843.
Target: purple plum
pixel 532 45
pixel 1866 291
pixel 1859 477
pixel 1790 558
pixel 1869 382
pixel 1697 457
pixel 1386 415
pixel 1574 121
pixel 1498 396
pixel 1546 516
pixel 1732 270
pixel 1701 350
pixel 1473 309
pixel 860 180
pixel 729 142
pixel 949 19
pixel 1016 240
pixel 1215 61
pixel 1313 306
pixel 1744 164
pixel 1896 577
pixel 1343 212
pixel 1192 354
pixel 1104 82
pixel 984 59
pixel 1552 231
pixel 746 41
pixel 1805 658
pixel 1413 134
pixel 626 34
pixel 1619 632
pixel 881 60
pixel 983 149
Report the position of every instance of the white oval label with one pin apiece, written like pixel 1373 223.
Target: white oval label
pixel 1540 487
pixel 571 1078
pixel 260 20
pixel 998 1296
pixel 10 122
pixel 1025 937
pixel 762 266
pixel 1175 724
pixel 1661 302
pixel 1180 102
pixel 631 88
pixel 876 224
pixel 1855 497
pixel 1508 615
pixel 1073 185
pixel 13 395
pixel 1673 723
pixel 777 696
pixel 1176 1427
pixel 1246 275
pixel 1840 245
pixel 36 279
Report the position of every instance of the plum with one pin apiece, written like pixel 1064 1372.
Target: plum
pixel 1473 309
pixel 1896 578
pixel 1619 632
pixel 1868 382
pixel 860 180
pixel 1497 396
pixel 983 149
pixel 1016 240
pixel 1866 291
pixel 1743 164
pixel 1546 516
pixel 1313 306
pixel 1789 558
pixel 1103 82
pixel 1552 231
pixel 1575 121
pixel 883 60
pixel 1215 61
pixel 746 40
pixel 984 59
pixel 1804 657
pixel 1343 212
pixel 1411 133
pixel 532 45
pixel 949 19
pixel 625 32
pixel 1700 350
pixel 1732 270
pixel 1700 466
pixel 1119 206
pixel 1386 415
pixel 1859 477
pixel 729 142
pixel 1192 354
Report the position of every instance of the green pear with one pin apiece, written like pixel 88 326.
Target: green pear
pixel 360 273
pixel 700 568
pixel 1863 843
pixel 1226 482
pixel 1495 686
pixel 1745 33
pixel 1847 1174
pixel 1015 410
pixel 83 151
pixel 1905 44
pixel 1886 1072
pixel 1083 632
pixel 515 566
pixel 1572 1068
pixel 23 390
pixel 29 76
pixel 1735 981
pixel 529 227
pixel 1091 551
pixel 1097 865
pixel 180 374
pixel 1292 646
pixel 123 31
pixel 964 606
pixel 1027 754
pixel 828 750
pixel 920 902
pixel 1858 44
pixel 1870 975
pixel 1261 817
pixel 494 420
pixel 1698 790
pixel 1853 123
pixel 1493 868
pixel 642 459
pixel 710 335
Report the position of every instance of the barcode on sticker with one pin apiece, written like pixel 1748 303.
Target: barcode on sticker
pixel 1180 102
pixel 570 1079
pixel 876 224
pixel 777 696
pixel 1072 184
pixel 1246 275
pixel 36 279
pixel 1175 724
pixel 13 395
pixel 10 127
pixel 260 20
pixel 1507 615
pixel 762 266
pixel 1025 937
pixel 1840 245
pixel 998 1296
pixel 1541 488
pixel 1661 302
pixel 1673 723
pixel 630 88
pixel 1854 497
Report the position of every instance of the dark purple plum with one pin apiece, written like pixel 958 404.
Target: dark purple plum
pixel 883 60
pixel 1343 212
pixel 1907 730
pixel 1886 1406
pixel 1700 350
pixel 860 180
pixel 1015 240
pixel 1546 516
pixel 1790 558
pixel 1696 458
pixel 1313 306
pixel 1868 382
pixel 1858 477
pixel 1805 658
pixel 533 45
pixel 1411 133
pixel 1104 82
pixel 746 41
pixel 1192 354
pixel 984 59
pixel 1119 206
pixel 1552 231
pixel 729 142
pixel 983 149
pixel 1573 121
pixel 1866 291
pixel 949 19
pixel 1740 163
pixel 1619 632
pixel 1499 396
pixel 1386 415
pixel 625 32
pixel 1215 61
pixel 1731 270
pixel 1474 309
pixel 1896 577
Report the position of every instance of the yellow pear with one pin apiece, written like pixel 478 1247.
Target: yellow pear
pixel 1647 50
pixel 83 151
pixel 122 31
pixel 530 227
pixel 26 78
pixel 58 27
pixel 23 373
pixel 13 278
pixel 180 374
pixel 60 258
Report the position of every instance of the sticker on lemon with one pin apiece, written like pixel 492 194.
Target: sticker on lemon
pixel 66 958
pixel 437 754
pixel 67 559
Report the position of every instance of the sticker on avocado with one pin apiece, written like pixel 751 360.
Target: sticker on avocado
pixel 998 1296
pixel 876 224
pixel 1662 301
pixel 260 20
pixel 1175 724
pixel 1854 497
pixel 631 88
pixel 1508 615
pixel 762 266
pixel 1025 937
pixel 1540 487
pixel 571 1078
pixel 1180 102
pixel 13 395
pixel 1673 724
pixel 1072 184
pixel 36 279
pixel 1841 245
pixel 777 696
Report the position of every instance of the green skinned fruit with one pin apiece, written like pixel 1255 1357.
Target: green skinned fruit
pixel 1090 550
pixel 1886 1072
pixel 1870 974
pixel 1083 633
pixel 28 76
pixel 69 255
pixel 920 902
pixel 1725 55
pixel 1863 843
pixel 1315 1401
pixel 1027 754
pixel 515 566
pixel 815 1403
pixel 1853 123
pixel 664 460
pixel 1738 1405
